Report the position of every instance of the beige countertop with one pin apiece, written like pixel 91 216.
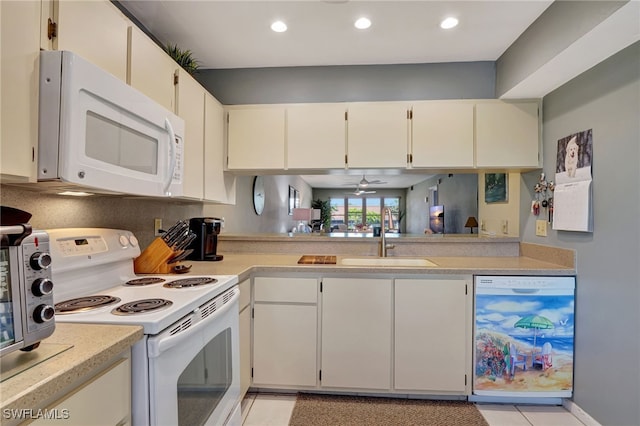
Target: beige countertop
pixel 243 264
pixel 68 357
pixel 359 236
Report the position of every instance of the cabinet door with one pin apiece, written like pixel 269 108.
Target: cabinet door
pixel 377 135
pixel 219 186
pixel 95 30
pixel 107 396
pixel 442 134
pixel 151 70
pixel 316 136
pixel 190 100
pixel 19 50
pixel 507 134
pixel 431 339
pixel 356 333
pixel 284 345
pixel 256 138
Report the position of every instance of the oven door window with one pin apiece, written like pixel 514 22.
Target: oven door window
pixel 7 336
pixel 204 382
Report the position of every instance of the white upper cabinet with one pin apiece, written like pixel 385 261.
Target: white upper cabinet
pixel 256 138
pixel 190 101
pixel 219 186
pixel 316 136
pixel 442 134
pixel 507 134
pixel 20 47
pixel 378 135
pixel 151 70
pixel 95 30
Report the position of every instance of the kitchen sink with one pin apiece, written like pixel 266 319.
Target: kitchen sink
pixel 387 261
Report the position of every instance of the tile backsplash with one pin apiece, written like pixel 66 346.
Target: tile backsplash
pixel 130 213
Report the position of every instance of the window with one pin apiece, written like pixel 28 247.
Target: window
pixel 362 213
pixel 337 212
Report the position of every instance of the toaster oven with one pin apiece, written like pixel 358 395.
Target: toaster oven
pixel 26 289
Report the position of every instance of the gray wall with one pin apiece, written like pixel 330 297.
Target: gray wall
pixel 558 27
pixel 607 343
pixel 241 218
pixel 352 83
pixel 133 214
pixel 458 193
pixel 137 214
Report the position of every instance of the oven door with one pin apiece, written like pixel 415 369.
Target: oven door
pixel 194 376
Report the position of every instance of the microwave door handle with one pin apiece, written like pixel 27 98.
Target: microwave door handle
pixel 172 154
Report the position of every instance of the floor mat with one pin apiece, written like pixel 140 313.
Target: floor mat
pixel 341 410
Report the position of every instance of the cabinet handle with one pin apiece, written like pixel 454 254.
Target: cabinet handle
pixel 52 29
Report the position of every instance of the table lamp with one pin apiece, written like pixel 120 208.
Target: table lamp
pixel 471 223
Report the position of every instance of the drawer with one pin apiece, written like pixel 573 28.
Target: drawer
pixel 274 289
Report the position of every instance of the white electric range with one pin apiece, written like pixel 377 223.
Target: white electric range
pixel 185 369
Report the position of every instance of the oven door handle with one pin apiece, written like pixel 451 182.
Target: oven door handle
pixel 166 340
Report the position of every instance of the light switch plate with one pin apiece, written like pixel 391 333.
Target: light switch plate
pixel 541 228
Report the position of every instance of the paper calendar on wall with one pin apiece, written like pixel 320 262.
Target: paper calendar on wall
pixel 572 199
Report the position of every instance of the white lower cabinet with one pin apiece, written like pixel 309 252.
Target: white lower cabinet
pixel 432 320
pixel 356 333
pixel 285 332
pixel 105 400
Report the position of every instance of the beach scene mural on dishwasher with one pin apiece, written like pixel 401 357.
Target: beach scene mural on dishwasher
pixel 524 343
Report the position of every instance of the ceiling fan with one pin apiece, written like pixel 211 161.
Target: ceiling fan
pixel 365 183
pixel 359 191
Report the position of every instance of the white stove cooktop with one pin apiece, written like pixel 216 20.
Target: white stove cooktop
pixel 99 261
pixel 184 300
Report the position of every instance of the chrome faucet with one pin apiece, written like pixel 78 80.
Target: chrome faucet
pixel 382 252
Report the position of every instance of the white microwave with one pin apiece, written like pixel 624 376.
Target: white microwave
pixel 99 133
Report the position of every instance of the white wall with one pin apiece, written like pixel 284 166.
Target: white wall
pixel 494 216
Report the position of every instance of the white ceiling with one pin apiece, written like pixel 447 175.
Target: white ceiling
pixel 237 34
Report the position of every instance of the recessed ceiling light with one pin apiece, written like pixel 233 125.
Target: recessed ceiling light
pixel 362 23
pixel 279 27
pixel 448 23
pixel 75 193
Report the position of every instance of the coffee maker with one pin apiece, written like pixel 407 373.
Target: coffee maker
pixel 206 243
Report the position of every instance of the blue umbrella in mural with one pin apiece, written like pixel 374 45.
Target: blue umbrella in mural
pixel 536 322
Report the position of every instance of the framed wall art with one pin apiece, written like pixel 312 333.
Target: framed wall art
pixel 495 188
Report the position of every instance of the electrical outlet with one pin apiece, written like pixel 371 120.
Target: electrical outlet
pixel 157 226
pixel 541 228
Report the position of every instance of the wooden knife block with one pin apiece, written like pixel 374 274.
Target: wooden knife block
pixel 153 260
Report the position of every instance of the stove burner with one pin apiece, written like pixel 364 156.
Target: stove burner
pixel 190 282
pixel 81 304
pixel 142 306
pixel 145 281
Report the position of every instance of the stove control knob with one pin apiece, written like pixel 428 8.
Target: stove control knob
pixel 43 313
pixel 41 287
pixel 133 240
pixel 40 260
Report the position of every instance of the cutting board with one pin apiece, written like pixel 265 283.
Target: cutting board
pixel 317 260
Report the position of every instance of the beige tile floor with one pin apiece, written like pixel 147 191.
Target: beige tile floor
pixel 275 410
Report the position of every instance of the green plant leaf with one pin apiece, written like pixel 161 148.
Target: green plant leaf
pixel 184 58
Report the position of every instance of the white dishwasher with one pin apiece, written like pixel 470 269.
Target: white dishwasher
pixel 523 339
